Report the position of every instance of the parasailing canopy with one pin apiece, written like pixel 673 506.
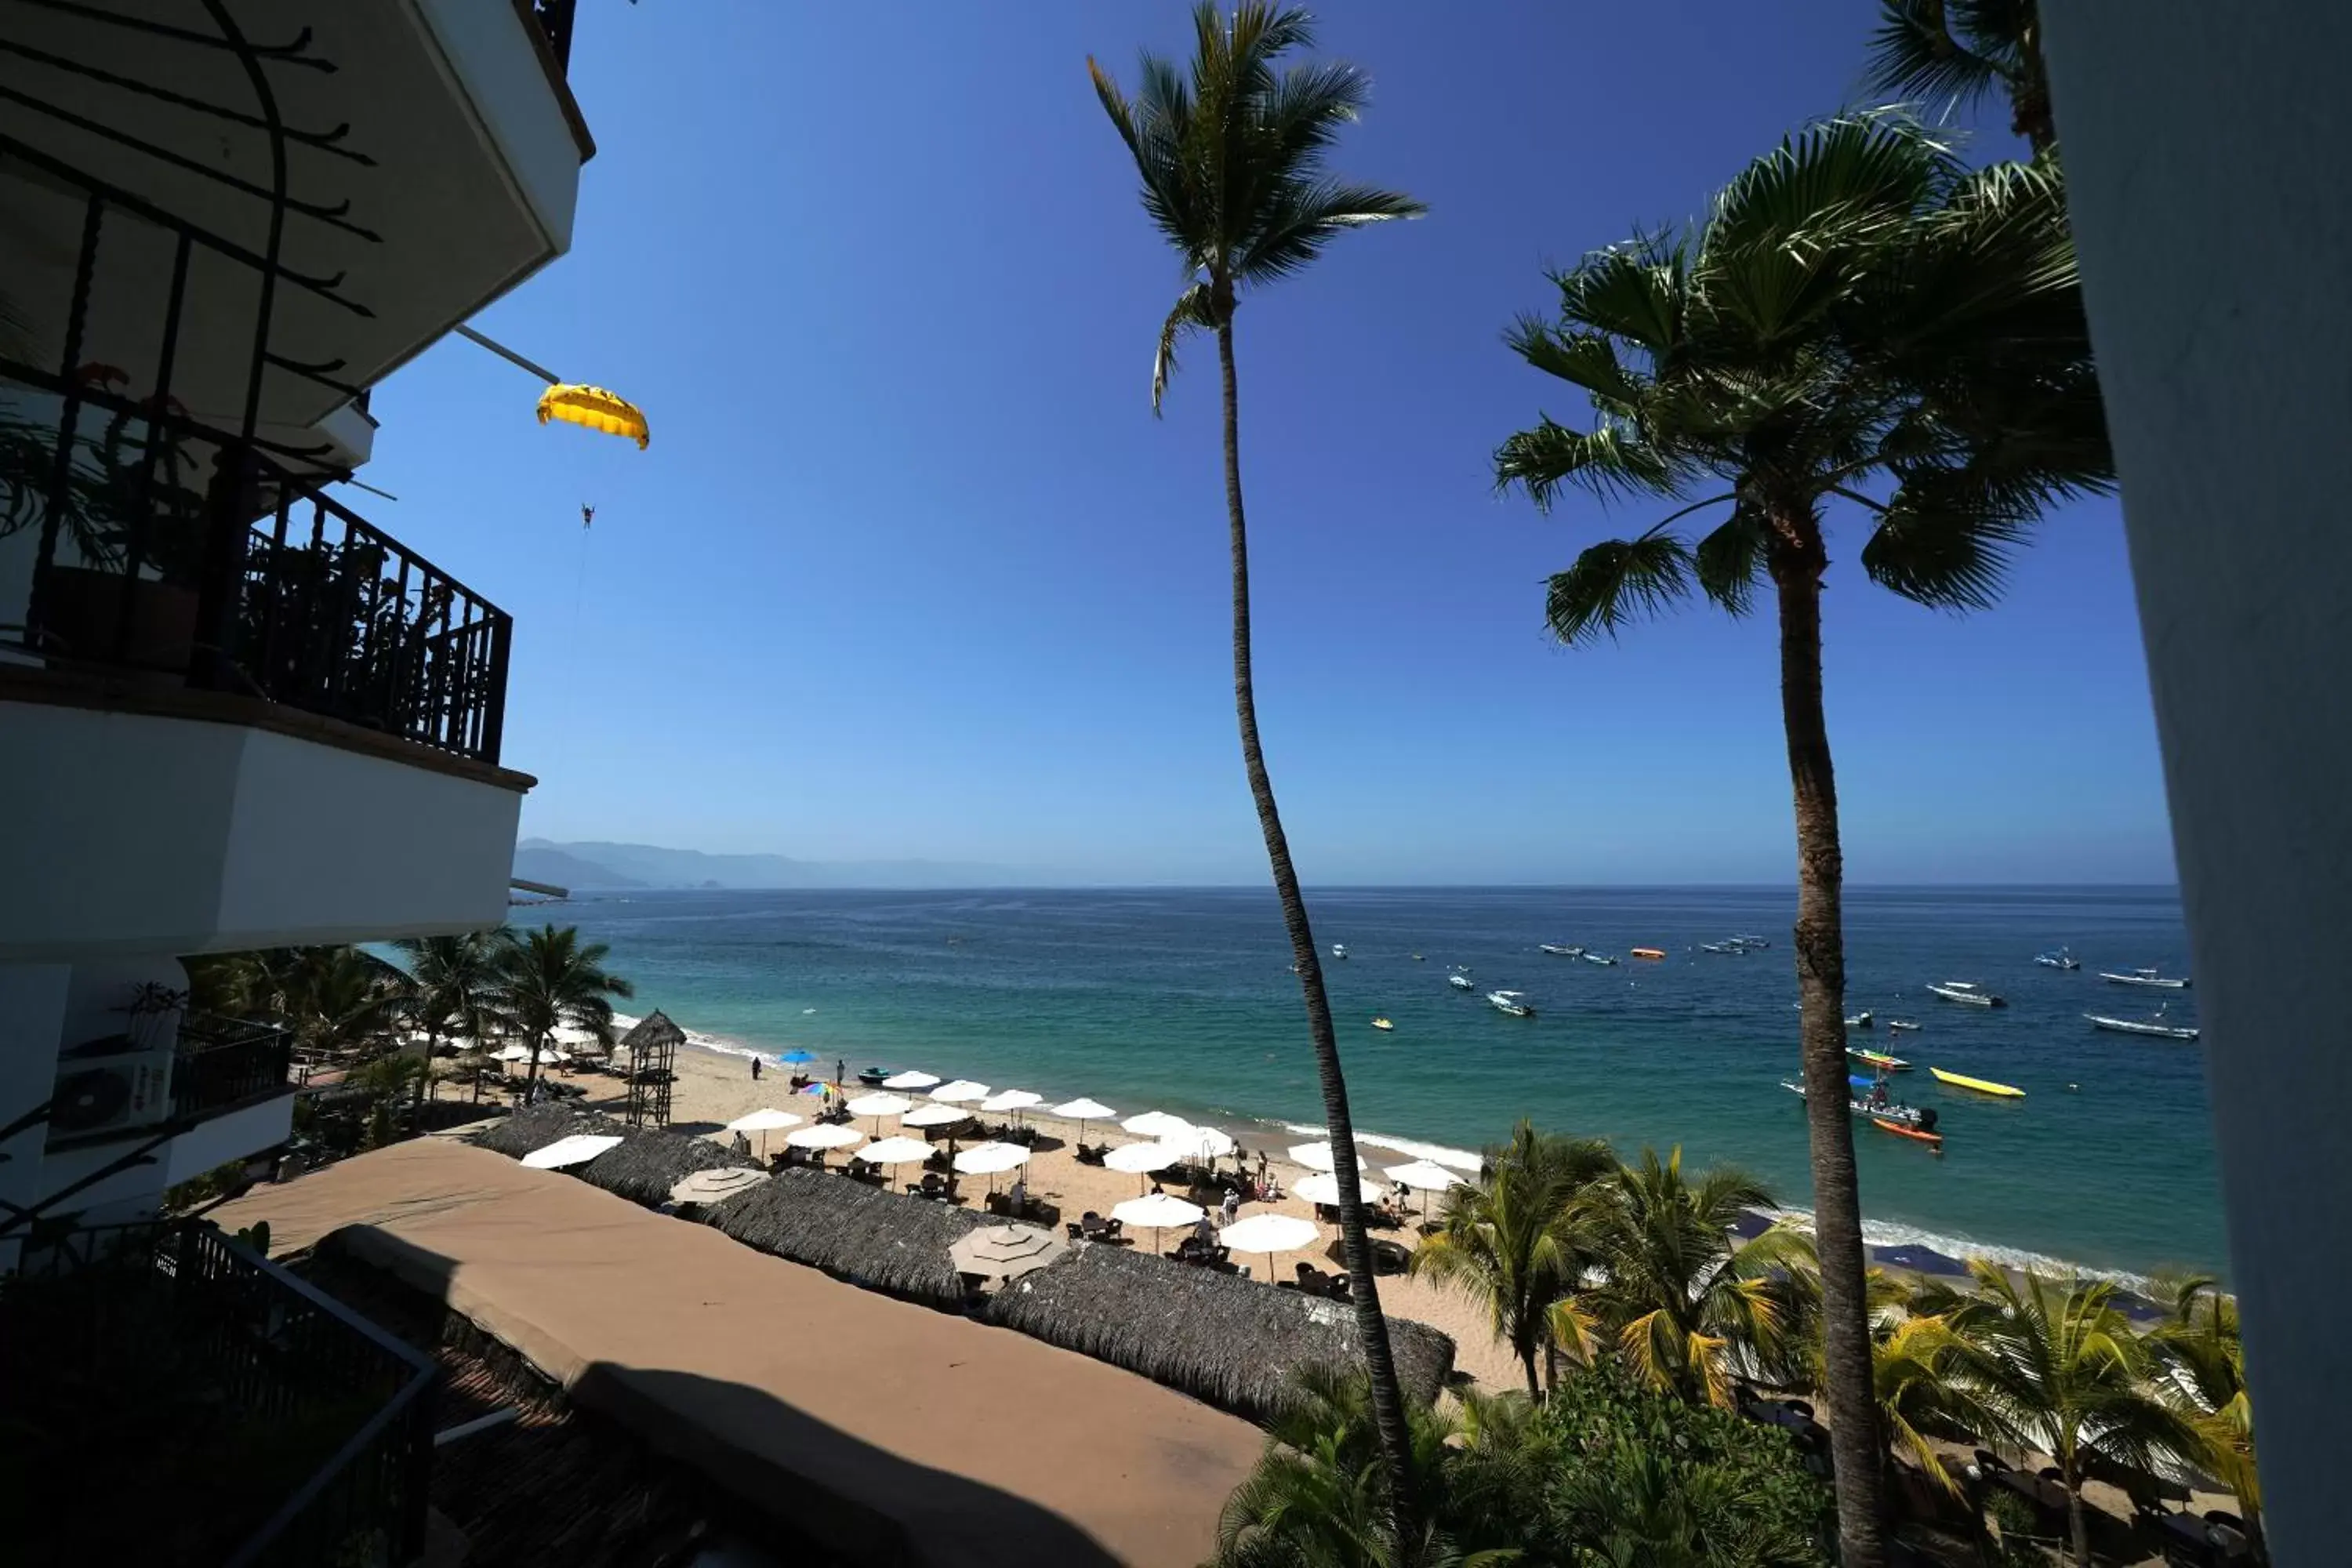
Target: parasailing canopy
pixel 594 408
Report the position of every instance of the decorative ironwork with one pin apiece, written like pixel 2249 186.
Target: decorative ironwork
pixel 554 18
pixel 220 1063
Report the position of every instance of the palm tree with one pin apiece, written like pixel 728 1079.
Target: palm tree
pixel 549 979
pixel 1231 159
pixel 2057 1369
pixel 1964 51
pixel 447 987
pixel 1858 314
pixel 1512 1240
pixel 334 1000
pixel 2201 1372
pixel 1686 1308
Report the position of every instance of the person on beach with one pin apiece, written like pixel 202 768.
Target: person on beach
pixel 755 1069
pixel 1017 1200
pixel 840 1072
pixel 1232 1208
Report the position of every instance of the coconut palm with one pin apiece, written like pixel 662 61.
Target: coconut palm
pixel 2201 1372
pixel 1687 1308
pixel 1964 51
pixel 1230 150
pixel 334 1001
pixel 2055 1368
pixel 446 991
pixel 1859 321
pixel 1511 1240
pixel 549 979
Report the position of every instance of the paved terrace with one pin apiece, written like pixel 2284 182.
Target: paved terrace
pixel 884 1432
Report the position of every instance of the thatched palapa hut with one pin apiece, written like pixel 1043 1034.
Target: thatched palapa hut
pixel 651 1049
pixel 883 1240
pixel 537 1126
pixel 1222 1339
pixel 647 1165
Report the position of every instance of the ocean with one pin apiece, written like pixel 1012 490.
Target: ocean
pixel 1182 1000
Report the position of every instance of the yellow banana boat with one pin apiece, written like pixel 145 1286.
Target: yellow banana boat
pixel 1983 1086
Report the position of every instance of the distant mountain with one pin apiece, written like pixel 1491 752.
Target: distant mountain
pixel 599 866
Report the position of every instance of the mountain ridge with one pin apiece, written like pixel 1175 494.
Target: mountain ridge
pixel 603 865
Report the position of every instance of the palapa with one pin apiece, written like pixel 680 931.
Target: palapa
pixel 537 1126
pixel 647 1165
pixel 883 1240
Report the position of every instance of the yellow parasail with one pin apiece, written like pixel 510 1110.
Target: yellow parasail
pixel 596 409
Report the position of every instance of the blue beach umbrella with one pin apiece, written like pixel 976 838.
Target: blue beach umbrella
pixel 796 1057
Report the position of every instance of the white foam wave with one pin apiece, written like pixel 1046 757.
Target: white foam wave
pixel 1436 1153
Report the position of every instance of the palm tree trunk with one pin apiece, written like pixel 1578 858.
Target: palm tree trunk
pixel 2078 1521
pixel 1371 1325
pixel 1535 1389
pixel 1820 943
pixel 531 1081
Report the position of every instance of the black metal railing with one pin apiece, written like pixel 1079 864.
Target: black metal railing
pixel 222 1062
pixel 555 19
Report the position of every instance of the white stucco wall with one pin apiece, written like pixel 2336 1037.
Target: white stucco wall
pixel 128 834
pixel 2209 159
pixel 490 58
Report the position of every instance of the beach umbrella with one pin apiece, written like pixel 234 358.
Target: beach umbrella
pixel 825 1135
pixel 763 1121
pixel 576 1150
pixel 797 1058
pixel 1011 1100
pixel 914 1077
pixel 1084 1112
pixel 1270 1234
pixel 1424 1176
pixel 1201 1143
pixel 935 1116
pixel 1005 1251
pixel 892 1151
pixel 1318 1157
pixel 1155 1124
pixel 716 1187
pixel 513 1053
pixel 988 1158
pixel 1322 1187
pixel 963 1090
pixel 878 1106
pixel 1135 1159
pixel 1155 1212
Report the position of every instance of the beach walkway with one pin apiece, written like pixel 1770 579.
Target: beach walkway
pixel 884 1432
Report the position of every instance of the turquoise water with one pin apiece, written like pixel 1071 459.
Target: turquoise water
pixel 1183 1000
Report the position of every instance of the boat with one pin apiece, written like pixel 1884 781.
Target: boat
pixel 1382 1023
pixel 2156 1027
pixel 1556 950
pixel 1862 1020
pixel 1919 1116
pixel 2148 977
pixel 872 1077
pixel 1904 1129
pixel 1981 1085
pixel 1905 1025
pixel 1511 1002
pixel 1652 953
pixel 1721 947
pixel 1598 958
pixel 1753 941
pixel 2060 958
pixel 1339 949
pixel 1878 1059
pixel 1969 992
pixel 1416 958
pixel 1459 978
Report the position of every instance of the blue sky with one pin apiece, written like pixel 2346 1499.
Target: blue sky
pixel 911 571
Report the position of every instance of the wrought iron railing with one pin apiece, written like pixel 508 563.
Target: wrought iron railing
pixel 555 19
pixel 221 1062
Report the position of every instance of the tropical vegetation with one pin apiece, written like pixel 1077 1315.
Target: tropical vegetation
pixel 1953 53
pixel 1229 149
pixel 550 979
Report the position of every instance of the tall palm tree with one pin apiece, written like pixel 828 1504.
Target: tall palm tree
pixel 1964 51
pixel 1858 321
pixel 548 979
pixel 2201 1372
pixel 446 991
pixel 2058 1369
pixel 334 1000
pixel 1680 1302
pixel 1230 152
pixel 1512 1241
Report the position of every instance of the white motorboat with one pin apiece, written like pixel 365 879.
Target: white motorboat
pixel 1512 1002
pixel 1556 950
pixel 2148 977
pixel 1752 941
pixel 1968 992
pixel 2062 958
pixel 1339 949
pixel 2156 1027
pixel 1600 958
pixel 1923 1116
pixel 1862 1020
pixel 1905 1025
pixel 1459 978
pixel 1721 947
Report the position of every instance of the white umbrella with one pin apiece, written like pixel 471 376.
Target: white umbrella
pixel 513 1053
pixel 988 1158
pixel 763 1121
pixel 1005 1251
pixel 716 1187
pixel 1201 1143
pixel 1156 1212
pixel 825 1135
pixel 935 1116
pixel 576 1150
pixel 1318 1157
pixel 1270 1234
pixel 1322 1187
pixel 963 1090
pixel 912 1078
pixel 1425 1177
pixel 1135 1159
pixel 1155 1124
pixel 892 1151
pixel 878 1106
pixel 1084 1112
pixel 1011 1100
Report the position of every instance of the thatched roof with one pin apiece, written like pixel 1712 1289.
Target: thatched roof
pixel 884 1240
pixel 1231 1341
pixel 537 1126
pixel 654 1032
pixel 647 1165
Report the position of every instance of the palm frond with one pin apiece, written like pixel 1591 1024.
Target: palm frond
pixel 1609 460
pixel 1730 558
pixel 1914 53
pixel 1298 220
pixel 1637 292
pixel 1582 358
pixel 1836 182
pixel 1615 583
pixel 1190 313
pixel 1944 541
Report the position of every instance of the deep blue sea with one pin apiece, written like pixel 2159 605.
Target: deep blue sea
pixel 1183 1001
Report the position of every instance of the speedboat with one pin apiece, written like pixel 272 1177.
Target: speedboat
pixel 1878 1059
pixel 2060 959
pixel 1597 958
pixel 1556 950
pixel 1459 978
pixel 1511 1002
pixel 2148 977
pixel 1652 953
pixel 1339 949
pixel 872 1077
pixel 1921 1117
pixel 1382 1022
pixel 1862 1020
pixel 1721 947
pixel 1969 992
pixel 1905 1025
pixel 1981 1085
pixel 1752 941
pixel 2156 1027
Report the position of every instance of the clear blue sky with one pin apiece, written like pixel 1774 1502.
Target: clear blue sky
pixel 911 571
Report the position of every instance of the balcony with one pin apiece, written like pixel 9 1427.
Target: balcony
pixel 259 1421
pixel 221 1064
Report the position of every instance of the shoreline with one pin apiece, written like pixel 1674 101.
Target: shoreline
pixel 1274 1134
